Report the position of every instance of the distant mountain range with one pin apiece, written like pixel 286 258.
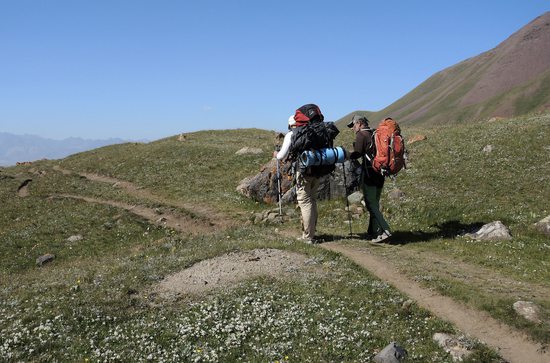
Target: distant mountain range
pixel 19 148
pixel 511 79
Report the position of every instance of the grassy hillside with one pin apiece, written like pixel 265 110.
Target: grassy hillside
pixel 204 168
pixel 95 301
pixel 512 79
pixel 452 186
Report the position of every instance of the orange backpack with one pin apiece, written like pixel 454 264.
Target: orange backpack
pixel 390 148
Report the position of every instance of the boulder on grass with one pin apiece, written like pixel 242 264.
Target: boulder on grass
pixel 544 225
pixel 44 259
pixel 491 231
pixel 392 353
pixel 249 151
pixel 263 187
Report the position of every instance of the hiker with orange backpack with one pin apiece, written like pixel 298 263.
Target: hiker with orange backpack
pixel 372 180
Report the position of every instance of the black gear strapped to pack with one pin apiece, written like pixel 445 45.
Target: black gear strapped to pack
pixel 313 136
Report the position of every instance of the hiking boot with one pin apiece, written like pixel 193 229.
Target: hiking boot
pixel 384 236
pixel 308 241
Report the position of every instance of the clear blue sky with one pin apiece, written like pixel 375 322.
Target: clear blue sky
pixel 148 69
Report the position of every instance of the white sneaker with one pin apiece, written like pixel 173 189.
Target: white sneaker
pixel 384 236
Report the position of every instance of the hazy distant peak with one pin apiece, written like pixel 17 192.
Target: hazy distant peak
pixel 14 148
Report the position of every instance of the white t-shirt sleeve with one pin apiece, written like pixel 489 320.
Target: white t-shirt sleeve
pixel 286 146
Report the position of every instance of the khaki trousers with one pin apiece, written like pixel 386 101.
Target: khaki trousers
pixel 306 193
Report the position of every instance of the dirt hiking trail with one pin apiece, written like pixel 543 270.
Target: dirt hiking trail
pixel 511 344
pixel 215 218
pixel 180 223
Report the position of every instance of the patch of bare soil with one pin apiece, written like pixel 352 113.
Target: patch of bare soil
pixel 214 217
pixel 513 346
pixel 227 270
pixel 180 223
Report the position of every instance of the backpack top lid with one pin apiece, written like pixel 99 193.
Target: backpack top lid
pixel 308 113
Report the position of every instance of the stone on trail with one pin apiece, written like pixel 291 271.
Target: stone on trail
pixel 42 260
pixel 249 151
pixel 392 353
pixel 452 345
pixel 544 225
pixel 491 231
pixel 528 310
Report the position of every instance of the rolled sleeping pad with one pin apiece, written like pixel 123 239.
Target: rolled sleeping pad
pixel 326 156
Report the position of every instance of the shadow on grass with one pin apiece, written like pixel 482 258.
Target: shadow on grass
pixel 325 237
pixel 450 229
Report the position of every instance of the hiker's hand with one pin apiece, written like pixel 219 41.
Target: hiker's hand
pixel 275 154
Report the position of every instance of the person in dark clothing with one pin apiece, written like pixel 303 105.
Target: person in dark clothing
pixel 372 182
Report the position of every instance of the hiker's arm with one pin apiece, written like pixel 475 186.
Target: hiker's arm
pixel 358 147
pixel 286 146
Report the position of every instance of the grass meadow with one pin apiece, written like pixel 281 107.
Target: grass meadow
pixel 94 301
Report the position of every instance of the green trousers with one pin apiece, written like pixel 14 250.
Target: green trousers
pixel 377 223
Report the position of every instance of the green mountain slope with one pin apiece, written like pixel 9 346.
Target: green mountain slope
pixel 511 79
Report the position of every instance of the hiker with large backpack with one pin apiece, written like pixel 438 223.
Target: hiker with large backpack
pixel 310 133
pixel 372 179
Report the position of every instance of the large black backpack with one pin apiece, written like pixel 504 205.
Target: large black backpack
pixel 308 113
pixel 313 136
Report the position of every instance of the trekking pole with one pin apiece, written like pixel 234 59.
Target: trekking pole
pixel 347 201
pixel 279 191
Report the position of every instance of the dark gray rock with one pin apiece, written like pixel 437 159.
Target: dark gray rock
pixel 263 187
pixel 44 259
pixel 392 353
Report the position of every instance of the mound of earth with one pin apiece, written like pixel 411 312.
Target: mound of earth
pixel 229 269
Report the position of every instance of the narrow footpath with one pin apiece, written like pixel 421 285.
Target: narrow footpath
pixel 511 344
